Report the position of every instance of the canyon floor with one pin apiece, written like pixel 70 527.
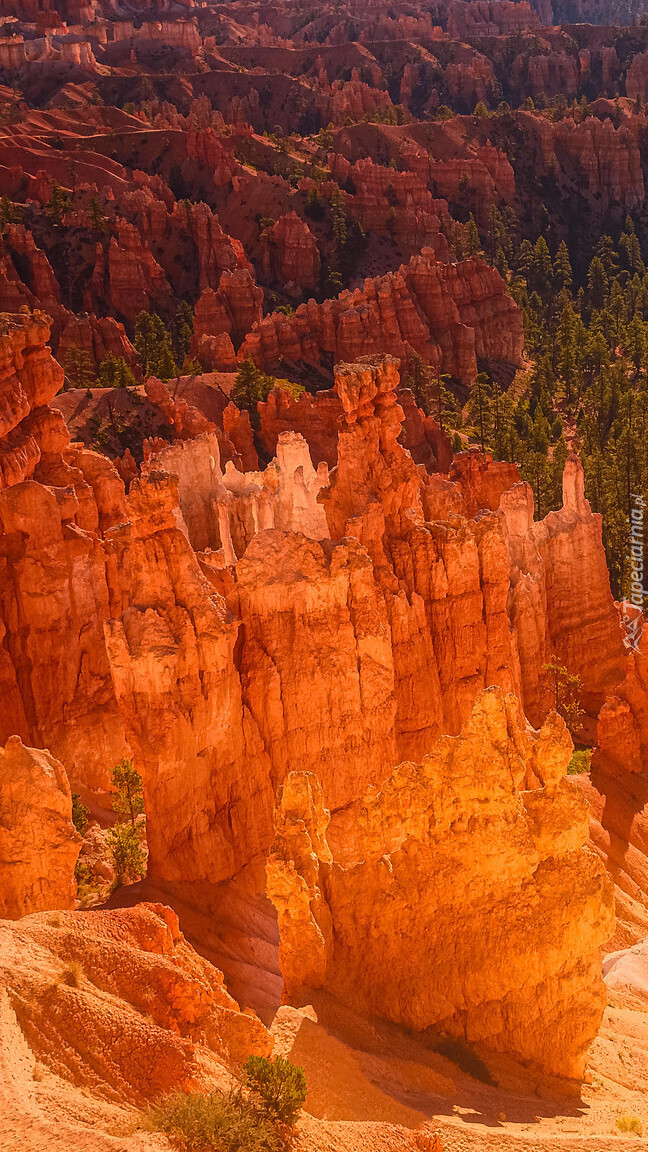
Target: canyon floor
pixel 367 1091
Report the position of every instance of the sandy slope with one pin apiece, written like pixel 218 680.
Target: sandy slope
pixel 372 1088
pixel 360 1099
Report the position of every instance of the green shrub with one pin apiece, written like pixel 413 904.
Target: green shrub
pixel 79 814
pixel 216 1122
pixel 252 385
pixel 279 1086
pixel 115 373
pixel 580 762
pixel 630 1124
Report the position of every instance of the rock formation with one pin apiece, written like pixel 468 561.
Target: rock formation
pixel 98 336
pixel 389 201
pixel 53 597
pixel 316 418
pixel 205 660
pixel 383 904
pixel 551 73
pixel 270 610
pixel 488 18
pixel 183 711
pixel 290 255
pixel 448 313
pixel 38 842
pixel 137 1012
pixel 227 510
pixel 127 277
pixel 229 312
pixel 560 596
pixel 594 153
pixel 637 77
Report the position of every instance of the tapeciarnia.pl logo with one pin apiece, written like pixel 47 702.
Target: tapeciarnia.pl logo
pixel 632 607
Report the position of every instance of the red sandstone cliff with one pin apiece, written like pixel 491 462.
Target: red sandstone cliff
pixel 448 313
pixel 290 255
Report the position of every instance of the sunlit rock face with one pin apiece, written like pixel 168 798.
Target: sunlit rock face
pixel 458 897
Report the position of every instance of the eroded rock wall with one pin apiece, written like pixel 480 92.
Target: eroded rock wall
pixel 38 841
pixel 453 890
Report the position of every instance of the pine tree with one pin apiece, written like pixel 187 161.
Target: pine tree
pixel 128 799
pixel 630 249
pixel 58 205
pixel 10 213
pixel 501 420
pixel 128 855
pixel 417 379
pixel 115 373
pixel 605 252
pixel 78 368
pixel 167 369
pixel 635 342
pixel 253 386
pixel 567 690
pixel 597 285
pixel 479 408
pixel 473 241
pixel 97 215
pixel 150 335
pixel 541 271
pixel 562 270
pixel 182 331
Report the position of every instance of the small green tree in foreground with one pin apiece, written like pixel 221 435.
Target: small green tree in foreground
pixel 213 1122
pixel 279 1086
pixel 259 1117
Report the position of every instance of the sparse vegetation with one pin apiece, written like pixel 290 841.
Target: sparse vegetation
pixel 58 205
pixel 260 1117
pixel 125 838
pixel 115 373
pixel 630 1124
pixel 128 799
pixel 580 762
pixel 278 1085
pixel 79 814
pixel 78 368
pixel 71 974
pixel 566 691
pixel 214 1122
pixel 252 385
pixel 153 344
pixel 128 854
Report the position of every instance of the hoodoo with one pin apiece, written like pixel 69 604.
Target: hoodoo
pixel 323 477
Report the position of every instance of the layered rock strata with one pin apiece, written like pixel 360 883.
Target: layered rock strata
pixel 137 1012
